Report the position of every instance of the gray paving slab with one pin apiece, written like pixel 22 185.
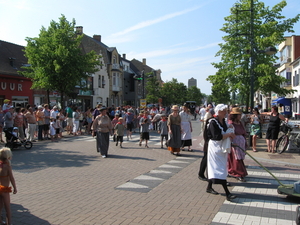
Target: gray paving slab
pixel 69 183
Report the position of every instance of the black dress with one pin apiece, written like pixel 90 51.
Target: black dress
pixel 273 128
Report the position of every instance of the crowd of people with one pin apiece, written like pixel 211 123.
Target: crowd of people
pixel 173 126
pixel 224 134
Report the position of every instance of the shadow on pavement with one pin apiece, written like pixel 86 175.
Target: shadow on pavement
pixel 18 211
pixel 37 159
pixel 129 157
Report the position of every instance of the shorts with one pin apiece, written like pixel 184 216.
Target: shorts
pixel 70 121
pixel 129 126
pixel 145 136
pixel 120 139
pixel 272 134
pixel 4 189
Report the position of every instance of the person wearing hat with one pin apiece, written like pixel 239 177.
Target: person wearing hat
pixel 6 105
pixel 174 126
pixel 216 157
pixel 236 166
pixel 102 128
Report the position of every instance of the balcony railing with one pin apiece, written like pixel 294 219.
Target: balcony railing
pixel 115 66
pixel 116 88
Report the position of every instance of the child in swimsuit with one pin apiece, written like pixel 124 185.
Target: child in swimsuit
pixel 6 177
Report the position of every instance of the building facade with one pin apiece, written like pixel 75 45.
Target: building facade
pixel 289 51
pixel 14 86
pixel 192 82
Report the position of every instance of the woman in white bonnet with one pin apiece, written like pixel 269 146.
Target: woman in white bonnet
pixel 217 158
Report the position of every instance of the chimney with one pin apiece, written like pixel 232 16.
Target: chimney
pixel 124 56
pixel 79 30
pixel 97 37
pixel 144 62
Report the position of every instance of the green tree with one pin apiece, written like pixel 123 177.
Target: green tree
pixel 153 88
pixel 56 60
pixel 268 29
pixel 194 94
pixel 173 92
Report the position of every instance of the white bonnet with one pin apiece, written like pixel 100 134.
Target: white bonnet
pixel 220 107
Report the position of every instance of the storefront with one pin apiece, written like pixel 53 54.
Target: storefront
pixel 16 89
pixel 284 105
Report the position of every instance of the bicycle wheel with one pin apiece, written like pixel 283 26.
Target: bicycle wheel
pixel 282 144
pixel 28 144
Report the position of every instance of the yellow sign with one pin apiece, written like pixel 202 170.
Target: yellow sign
pixel 143 103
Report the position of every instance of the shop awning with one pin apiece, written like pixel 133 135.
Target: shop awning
pixel 283 101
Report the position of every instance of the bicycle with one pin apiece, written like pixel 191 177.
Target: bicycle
pixel 283 142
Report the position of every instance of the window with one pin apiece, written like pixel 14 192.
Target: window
pixel 103 82
pixel 99 81
pixel 114 81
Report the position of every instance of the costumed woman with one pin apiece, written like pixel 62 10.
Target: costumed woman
pixel 255 132
pixel 102 127
pixel 186 125
pixel 236 166
pixel 174 126
pixel 217 153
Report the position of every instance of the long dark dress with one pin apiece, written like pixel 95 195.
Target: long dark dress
pixel 174 142
pixel 103 127
pixel 236 166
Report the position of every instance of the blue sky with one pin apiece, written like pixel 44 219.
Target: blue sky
pixel 179 37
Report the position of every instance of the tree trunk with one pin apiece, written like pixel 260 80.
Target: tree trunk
pixel 62 100
pixel 48 97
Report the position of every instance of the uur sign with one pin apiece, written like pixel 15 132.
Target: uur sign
pixel 5 86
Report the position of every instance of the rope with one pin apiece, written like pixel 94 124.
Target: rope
pixel 261 165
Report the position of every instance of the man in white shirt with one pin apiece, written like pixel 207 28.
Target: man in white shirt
pixel 202 113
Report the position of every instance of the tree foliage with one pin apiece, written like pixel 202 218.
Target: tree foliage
pixel 153 88
pixel 194 94
pixel 56 60
pixel 268 30
pixel 173 92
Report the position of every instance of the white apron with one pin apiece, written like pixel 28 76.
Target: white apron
pixel 216 161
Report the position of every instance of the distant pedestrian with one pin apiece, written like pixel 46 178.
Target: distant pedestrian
pixel 162 129
pixel 186 126
pixel 174 126
pixel 114 123
pixel 6 178
pixel 119 130
pixel 144 123
pixel 102 128
pixel 129 123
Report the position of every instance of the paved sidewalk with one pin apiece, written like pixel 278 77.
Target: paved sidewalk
pixel 68 183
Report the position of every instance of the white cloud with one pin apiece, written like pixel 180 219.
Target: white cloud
pixel 147 23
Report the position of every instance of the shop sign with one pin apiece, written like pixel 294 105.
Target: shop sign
pixel 11 86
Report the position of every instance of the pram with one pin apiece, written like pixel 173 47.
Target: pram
pixel 13 141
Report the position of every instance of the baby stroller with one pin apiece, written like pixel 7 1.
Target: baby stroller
pixel 13 141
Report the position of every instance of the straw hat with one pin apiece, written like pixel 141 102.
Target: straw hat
pixel 236 110
pixel 6 101
pixel 175 107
